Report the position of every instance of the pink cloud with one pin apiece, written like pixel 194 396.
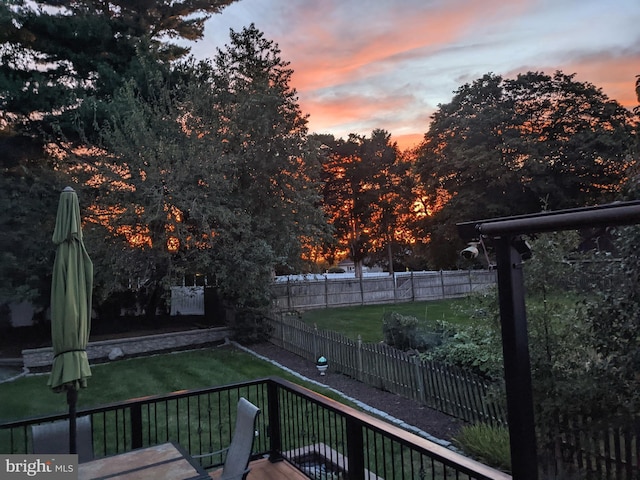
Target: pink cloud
pixel 344 109
pixel 382 64
pixel 331 51
pixel 352 113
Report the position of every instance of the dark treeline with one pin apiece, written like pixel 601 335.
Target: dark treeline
pixel 186 166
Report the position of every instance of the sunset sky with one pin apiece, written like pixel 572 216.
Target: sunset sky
pixel 365 64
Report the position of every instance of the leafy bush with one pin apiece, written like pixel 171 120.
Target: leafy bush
pixel 249 326
pixel 400 331
pixel 488 444
pixel 405 332
pixel 475 348
pixel 478 347
pixel 613 319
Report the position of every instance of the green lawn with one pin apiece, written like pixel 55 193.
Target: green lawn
pixel 367 320
pixel 125 379
pixel 131 378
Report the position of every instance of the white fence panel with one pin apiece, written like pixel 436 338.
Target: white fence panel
pixel 321 291
pixel 187 300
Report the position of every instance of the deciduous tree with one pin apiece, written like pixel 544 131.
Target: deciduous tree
pixel 504 147
pixel 366 196
pixel 59 63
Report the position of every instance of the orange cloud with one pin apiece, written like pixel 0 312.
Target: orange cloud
pixel 408 141
pixel 615 75
pixel 362 114
pixel 349 108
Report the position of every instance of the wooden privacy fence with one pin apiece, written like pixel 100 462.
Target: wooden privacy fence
pixel 443 387
pixel 322 291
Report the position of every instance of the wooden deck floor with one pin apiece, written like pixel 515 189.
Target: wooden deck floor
pixel 263 469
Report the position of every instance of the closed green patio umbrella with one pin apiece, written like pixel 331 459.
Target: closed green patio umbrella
pixel 71 287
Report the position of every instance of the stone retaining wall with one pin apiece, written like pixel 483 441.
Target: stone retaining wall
pixel 40 359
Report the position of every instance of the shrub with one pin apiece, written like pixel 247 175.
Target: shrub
pixel 487 443
pixel 249 326
pixel 612 316
pixel 400 331
pixel 475 348
pixel 404 332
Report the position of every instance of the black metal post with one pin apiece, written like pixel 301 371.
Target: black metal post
pixel 72 400
pixel 136 425
pixel 512 308
pixel 517 365
pixel 355 450
pixel 275 434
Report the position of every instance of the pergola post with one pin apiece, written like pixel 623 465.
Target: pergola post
pixel 506 234
pixel 517 365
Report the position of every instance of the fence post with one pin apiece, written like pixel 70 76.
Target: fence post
pixel 395 287
pixel 360 374
pixel 326 291
pixel 419 380
pixel 315 342
pixel 361 291
pixel 442 284
pixel 288 294
pixel 413 289
pixel 282 328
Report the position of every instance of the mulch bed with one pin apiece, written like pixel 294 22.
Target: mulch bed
pixel 431 421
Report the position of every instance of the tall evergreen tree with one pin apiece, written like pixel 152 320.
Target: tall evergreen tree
pixel 55 54
pixel 207 172
pixel 275 169
pixel 29 193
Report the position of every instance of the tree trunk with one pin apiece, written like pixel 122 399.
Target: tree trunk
pixel 358 268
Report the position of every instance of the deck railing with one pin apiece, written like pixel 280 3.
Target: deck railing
pixel 320 436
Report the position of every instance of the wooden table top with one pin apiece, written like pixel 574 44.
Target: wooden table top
pixel 165 461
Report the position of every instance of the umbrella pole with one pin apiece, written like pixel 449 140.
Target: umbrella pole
pixel 72 400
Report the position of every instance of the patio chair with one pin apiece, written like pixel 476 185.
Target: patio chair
pixel 238 453
pixel 54 438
